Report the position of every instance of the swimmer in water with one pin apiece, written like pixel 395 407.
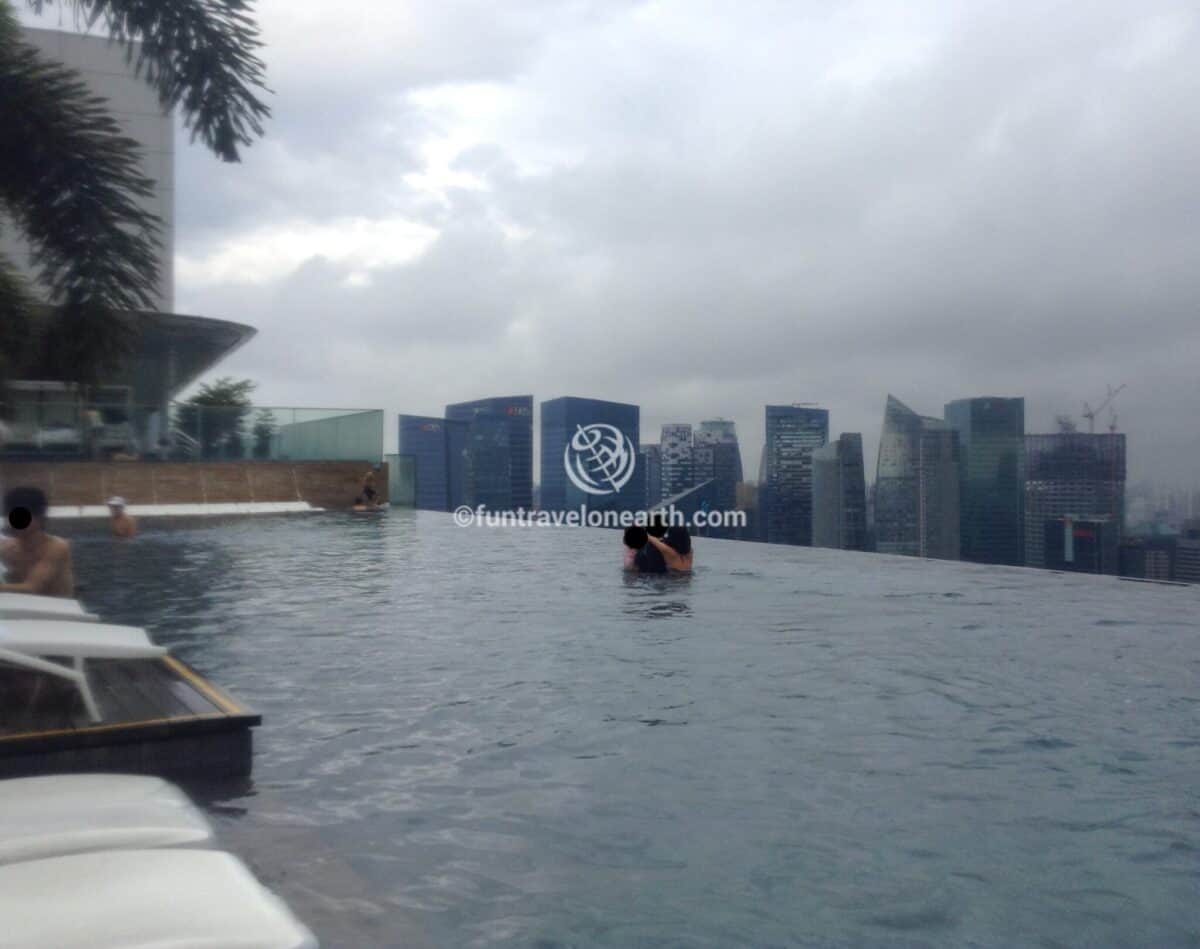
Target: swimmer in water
pixel 648 559
pixel 676 549
pixel 37 562
pixel 633 541
pixel 122 524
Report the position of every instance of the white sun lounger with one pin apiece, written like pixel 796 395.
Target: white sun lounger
pixel 29 606
pixel 143 899
pixel 25 642
pixel 76 813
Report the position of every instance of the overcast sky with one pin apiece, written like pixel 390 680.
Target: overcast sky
pixel 703 208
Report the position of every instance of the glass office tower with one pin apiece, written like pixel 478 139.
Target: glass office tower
pixel 840 495
pixel 678 469
pixel 916 485
pixel 991 438
pixel 650 460
pixel 562 421
pixel 1078 475
pixel 437 448
pixel 793 433
pixel 717 457
pixel 501 474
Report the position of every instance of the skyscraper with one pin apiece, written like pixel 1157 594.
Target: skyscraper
pixel 438 449
pixel 1076 545
pixel 916 485
pixel 839 494
pixel 991 438
pixel 717 456
pixel 567 430
pixel 109 71
pixel 678 470
pixel 651 462
pixel 793 433
pixel 708 461
pixel 1077 475
pixel 500 450
pixel 1187 553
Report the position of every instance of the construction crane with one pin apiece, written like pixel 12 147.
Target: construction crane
pixel 1090 414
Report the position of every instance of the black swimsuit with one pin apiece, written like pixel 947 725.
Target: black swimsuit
pixel 650 560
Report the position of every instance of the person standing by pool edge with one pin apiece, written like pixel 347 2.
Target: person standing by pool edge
pixel 37 562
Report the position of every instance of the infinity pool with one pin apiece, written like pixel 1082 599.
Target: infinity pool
pixel 492 737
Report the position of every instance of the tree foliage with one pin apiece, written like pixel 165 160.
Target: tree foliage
pixel 200 55
pixel 71 181
pixel 216 415
pixel 265 427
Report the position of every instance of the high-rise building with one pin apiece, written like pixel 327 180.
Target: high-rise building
pixel 717 457
pixel 500 451
pixel 678 470
pixel 1076 545
pixel 839 494
pixel 1147 558
pixel 991 438
pixel 916 485
pixel 710 462
pixel 599 440
pixel 650 459
pixel 107 70
pixel 1187 552
pixel 1076 475
pixel 793 433
pixel 438 448
pixel 167 351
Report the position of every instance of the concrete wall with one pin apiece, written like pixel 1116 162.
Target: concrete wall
pixel 329 484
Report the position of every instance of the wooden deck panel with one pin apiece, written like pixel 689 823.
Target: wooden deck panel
pixel 158 716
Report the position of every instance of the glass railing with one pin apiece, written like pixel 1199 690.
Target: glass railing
pixel 184 432
pixel 402 480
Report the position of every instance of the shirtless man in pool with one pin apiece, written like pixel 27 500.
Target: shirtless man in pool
pixel 37 562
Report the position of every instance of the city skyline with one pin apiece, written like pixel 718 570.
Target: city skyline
pixel 1017 246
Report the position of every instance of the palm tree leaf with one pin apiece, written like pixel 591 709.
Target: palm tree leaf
pixel 16 305
pixel 72 183
pixel 199 54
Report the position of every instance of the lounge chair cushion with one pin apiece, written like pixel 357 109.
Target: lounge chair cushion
pixel 138 899
pixel 75 813
pixel 45 637
pixel 30 606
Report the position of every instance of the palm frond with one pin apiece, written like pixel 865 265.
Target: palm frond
pixel 72 183
pixel 16 304
pixel 199 54
pixel 84 341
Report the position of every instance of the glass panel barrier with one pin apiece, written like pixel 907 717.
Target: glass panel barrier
pixel 37 430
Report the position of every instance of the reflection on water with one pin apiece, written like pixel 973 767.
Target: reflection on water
pixel 495 737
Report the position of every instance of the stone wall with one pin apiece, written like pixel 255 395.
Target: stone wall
pixel 329 484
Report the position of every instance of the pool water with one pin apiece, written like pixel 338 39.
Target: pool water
pixel 493 737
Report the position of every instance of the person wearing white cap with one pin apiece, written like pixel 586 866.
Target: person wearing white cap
pixel 123 524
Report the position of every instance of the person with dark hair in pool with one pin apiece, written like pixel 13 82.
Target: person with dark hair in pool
pixel 633 541
pixel 37 562
pixel 648 559
pixel 676 549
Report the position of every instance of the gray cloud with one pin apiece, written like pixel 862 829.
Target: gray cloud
pixel 706 211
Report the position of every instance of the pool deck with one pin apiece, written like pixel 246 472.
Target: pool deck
pixel 159 716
